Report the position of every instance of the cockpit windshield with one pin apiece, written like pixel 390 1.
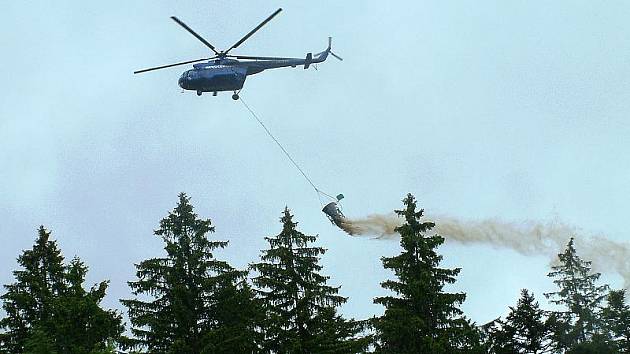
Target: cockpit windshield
pixel 188 74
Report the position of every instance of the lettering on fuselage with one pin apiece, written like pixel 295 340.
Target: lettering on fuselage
pixel 215 67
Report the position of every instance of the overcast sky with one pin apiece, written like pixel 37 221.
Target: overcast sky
pixel 482 109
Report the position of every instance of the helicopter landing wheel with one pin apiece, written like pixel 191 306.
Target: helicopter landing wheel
pixel 198 93
pixel 235 96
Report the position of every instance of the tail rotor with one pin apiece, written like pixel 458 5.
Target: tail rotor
pixel 329 50
pixel 336 56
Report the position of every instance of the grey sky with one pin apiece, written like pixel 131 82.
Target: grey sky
pixel 516 110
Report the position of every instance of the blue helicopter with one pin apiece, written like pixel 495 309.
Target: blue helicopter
pixel 224 72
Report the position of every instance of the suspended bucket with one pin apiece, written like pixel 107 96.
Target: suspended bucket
pixel 334 214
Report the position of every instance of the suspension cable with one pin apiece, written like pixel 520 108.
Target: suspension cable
pixel 317 190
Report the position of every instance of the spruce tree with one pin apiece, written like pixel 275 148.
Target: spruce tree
pixel 88 328
pixel 616 316
pixel 300 307
pixel 421 317
pixel 49 311
pixel 579 320
pixel 28 301
pixel 523 331
pixel 193 296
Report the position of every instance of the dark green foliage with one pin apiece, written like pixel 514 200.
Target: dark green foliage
pixel 198 303
pixel 28 301
pixel 300 308
pixel 616 315
pixel 421 317
pixel 238 314
pixel 39 343
pixel 580 297
pixel 49 311
pixel 109 348
pixel 523 331
pixel 593 346
pixel 90 327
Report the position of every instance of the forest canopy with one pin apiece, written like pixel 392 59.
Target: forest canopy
pixel 190 300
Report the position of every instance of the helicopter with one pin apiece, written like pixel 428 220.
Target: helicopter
pixel 225 72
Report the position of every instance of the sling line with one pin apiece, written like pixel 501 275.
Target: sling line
pixel 317 190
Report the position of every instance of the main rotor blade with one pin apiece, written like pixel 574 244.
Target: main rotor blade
pixel 169 65
pixel 179 22
pixel 257 58
pixel 254 30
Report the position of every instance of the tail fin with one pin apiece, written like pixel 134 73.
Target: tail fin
pixel 308 60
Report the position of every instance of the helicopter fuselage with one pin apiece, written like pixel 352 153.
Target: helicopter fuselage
pixel 230 74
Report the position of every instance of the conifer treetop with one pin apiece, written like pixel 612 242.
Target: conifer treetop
pixel 420 317
pixel 300 308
